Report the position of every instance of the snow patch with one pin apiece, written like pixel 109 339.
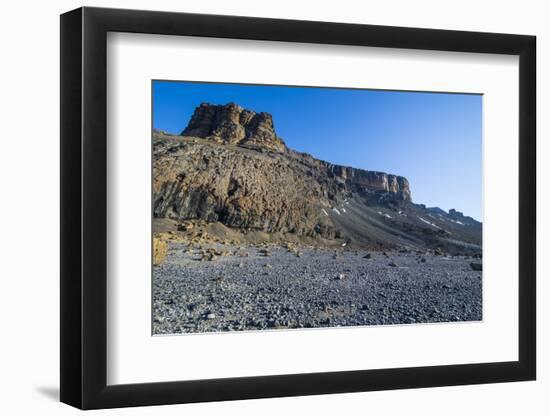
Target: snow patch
pixel 430 223
pixel 334 209
pixel 324 211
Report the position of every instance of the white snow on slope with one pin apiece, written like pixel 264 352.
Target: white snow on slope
pixel 430 223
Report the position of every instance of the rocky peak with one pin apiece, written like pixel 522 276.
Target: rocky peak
pixel 454 213
pixel 233 125
pixel 459 216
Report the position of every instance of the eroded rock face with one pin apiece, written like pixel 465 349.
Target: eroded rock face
pixel 195 178
pixel 229 166
pixel 231 124
pixel 243 188
pixel 361 180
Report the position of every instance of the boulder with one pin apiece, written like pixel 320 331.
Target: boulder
pixel 476 266
pixel 160 250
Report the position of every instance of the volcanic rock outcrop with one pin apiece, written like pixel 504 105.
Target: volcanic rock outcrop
pixel 233 125
pixel 229 166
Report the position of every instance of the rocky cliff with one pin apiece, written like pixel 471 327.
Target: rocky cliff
pixel 233 125
pixel 229 166
pixel 230 124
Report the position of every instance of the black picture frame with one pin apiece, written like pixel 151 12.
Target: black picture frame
pixel 84 207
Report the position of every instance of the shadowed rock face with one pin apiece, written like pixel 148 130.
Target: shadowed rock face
pixel 362 180
pixel 231 124
pixel 229 166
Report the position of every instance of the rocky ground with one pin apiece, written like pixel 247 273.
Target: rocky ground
pixel 223 287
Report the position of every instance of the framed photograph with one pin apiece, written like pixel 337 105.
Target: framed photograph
pixel 258 208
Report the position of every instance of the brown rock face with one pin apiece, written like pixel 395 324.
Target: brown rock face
pixel 232 125
pixel 195 178
pixel 229 166
pixel 160 249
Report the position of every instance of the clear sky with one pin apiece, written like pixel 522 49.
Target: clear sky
pixel 432 139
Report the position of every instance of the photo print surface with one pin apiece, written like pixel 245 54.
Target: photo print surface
pixel 286 207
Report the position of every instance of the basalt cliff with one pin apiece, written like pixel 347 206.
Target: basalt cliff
pixel 229 166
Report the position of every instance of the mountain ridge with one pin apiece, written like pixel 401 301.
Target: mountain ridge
pixel 229 166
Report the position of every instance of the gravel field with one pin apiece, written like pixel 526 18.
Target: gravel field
pixel 220 287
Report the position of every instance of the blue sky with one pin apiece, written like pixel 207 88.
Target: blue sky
pixel 432 139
